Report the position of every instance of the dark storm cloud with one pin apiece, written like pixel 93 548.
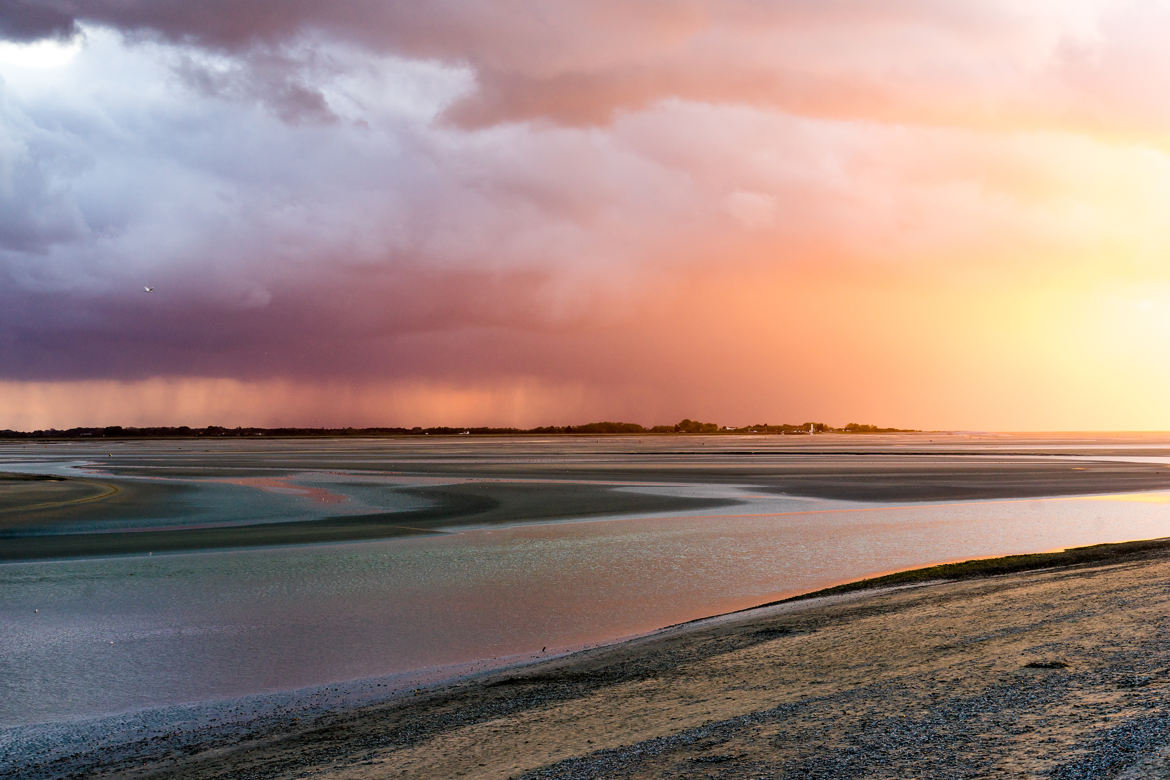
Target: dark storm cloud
pixel 30 20
pixel 367 325
pixel 572 62
pixel 276 248
pixel 218 23
pixel 583 62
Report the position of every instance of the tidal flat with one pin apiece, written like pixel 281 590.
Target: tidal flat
pixel 171 598
pixel 164 496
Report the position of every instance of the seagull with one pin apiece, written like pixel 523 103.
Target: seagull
pixel 148 289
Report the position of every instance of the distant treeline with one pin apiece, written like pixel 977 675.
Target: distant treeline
pixel 683 426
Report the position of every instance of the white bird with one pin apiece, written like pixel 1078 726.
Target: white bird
pixel 148 289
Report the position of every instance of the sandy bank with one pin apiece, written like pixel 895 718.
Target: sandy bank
pixel 1059 672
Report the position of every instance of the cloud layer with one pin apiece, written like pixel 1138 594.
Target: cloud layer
pixel 916 213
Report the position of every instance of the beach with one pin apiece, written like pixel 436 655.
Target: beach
pixel 258 610
pixel 1060 672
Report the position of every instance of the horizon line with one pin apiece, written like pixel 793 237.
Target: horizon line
pixel 605 428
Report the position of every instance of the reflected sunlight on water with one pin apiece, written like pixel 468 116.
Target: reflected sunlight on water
pixel 1141 498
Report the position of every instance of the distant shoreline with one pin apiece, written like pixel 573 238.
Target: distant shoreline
pixel 605 428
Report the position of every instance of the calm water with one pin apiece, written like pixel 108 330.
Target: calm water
pixel 84 637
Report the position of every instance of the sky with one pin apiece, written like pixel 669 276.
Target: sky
pixel 916 213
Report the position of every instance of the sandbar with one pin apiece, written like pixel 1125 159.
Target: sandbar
pixel 500 490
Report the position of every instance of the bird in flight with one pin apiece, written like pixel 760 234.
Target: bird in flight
pixel 148 289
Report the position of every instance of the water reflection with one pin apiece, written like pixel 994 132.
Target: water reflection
pixel 125 632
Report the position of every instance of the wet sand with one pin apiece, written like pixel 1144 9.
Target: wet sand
pixel 507 482
pixel 23 495
pixel 483 504
pixel 1057 673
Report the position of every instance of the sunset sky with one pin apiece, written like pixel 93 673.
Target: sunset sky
pixel 920 213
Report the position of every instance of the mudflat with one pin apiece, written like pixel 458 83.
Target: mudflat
pixel 23 495
pixel 507 480
pixel 483 504
pixel 1057 672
